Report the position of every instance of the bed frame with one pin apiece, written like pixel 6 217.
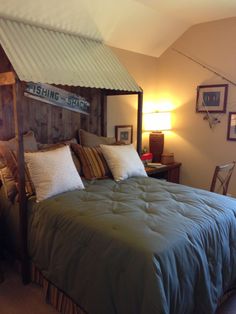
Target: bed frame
pixel 50 124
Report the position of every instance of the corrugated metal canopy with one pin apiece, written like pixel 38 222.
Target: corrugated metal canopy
pixel 47 56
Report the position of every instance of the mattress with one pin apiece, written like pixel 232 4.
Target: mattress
pixel 138 246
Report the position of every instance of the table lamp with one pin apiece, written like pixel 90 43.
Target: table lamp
pixel 156 122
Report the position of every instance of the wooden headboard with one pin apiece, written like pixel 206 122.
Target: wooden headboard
pixel 49 123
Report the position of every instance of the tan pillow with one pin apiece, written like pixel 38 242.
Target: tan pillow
pixel 30 143
pixel 92 140
pixel 42 146
pixel 93 163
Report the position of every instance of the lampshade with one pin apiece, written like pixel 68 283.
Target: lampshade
pixel 156 121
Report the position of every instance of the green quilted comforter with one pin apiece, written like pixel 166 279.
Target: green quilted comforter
pixel 139 246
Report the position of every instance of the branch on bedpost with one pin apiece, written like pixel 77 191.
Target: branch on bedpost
pixel 18 119
pixel 139 122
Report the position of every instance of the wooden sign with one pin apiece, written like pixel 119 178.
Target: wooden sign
pixel 57 97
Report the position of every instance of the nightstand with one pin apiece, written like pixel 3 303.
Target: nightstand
pixel 169 172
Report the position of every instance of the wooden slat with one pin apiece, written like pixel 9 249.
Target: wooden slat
pixel 7 78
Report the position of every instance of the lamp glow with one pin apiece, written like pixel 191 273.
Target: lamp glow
pixel 156 121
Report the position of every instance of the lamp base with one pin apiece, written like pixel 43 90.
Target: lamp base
pixel 156 145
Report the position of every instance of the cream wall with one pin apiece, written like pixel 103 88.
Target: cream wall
pixel 122 110
pixel 197 146
pixel 172 80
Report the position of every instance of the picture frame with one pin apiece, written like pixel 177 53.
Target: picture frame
pixel 212 98
pixel 231 134
pixel 124 133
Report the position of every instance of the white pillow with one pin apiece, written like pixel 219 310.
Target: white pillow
pixel 123 161
pixel 53 172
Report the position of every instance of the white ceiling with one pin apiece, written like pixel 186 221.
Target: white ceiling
pixel 144 26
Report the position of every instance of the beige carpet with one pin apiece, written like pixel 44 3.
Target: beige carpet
pixel 16 298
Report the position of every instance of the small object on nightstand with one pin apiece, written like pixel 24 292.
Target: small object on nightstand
pixel 146 158
pixel 167 159
pixel 155 164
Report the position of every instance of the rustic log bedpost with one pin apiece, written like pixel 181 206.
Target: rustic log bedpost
pixel 103 114
pixel 23 217
pixel 139 122
pixel 9 78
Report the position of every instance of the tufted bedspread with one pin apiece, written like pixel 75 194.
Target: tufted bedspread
pixel 142 246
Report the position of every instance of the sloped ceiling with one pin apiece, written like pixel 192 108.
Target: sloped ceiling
pixel 144 26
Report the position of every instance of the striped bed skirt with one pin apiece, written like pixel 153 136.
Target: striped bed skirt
pixel 57 298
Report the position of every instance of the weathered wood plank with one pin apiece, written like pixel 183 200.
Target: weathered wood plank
pixel 7 78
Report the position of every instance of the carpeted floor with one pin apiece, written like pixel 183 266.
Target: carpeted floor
pixel 16 298
pixel 229 306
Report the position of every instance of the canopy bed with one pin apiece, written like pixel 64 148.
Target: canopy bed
pixel 126 243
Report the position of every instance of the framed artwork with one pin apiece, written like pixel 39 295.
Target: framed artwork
pixel 124 133
pixel 231 136
pixel 212 98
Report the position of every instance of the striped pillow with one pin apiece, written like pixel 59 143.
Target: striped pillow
pixel 11 163
pixel 94 165
pixel 9 183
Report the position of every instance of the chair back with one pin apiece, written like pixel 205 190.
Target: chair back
pixel 221 178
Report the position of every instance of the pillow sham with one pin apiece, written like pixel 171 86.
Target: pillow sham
pixel 94 165
pixel 53 172
pixel 123 161
pixel 47 147
pixel 92 140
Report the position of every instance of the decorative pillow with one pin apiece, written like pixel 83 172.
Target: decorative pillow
pixel 47 147
pixel 30 145
pixel 92 140
pixel 53 172
pixel 9 183
pixel 123 161
pixel 9 159
pixel 11 162
pixel 93 163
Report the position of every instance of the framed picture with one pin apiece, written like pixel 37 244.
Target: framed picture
pixel 231 136
pixel 212 98
pixel 124 133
